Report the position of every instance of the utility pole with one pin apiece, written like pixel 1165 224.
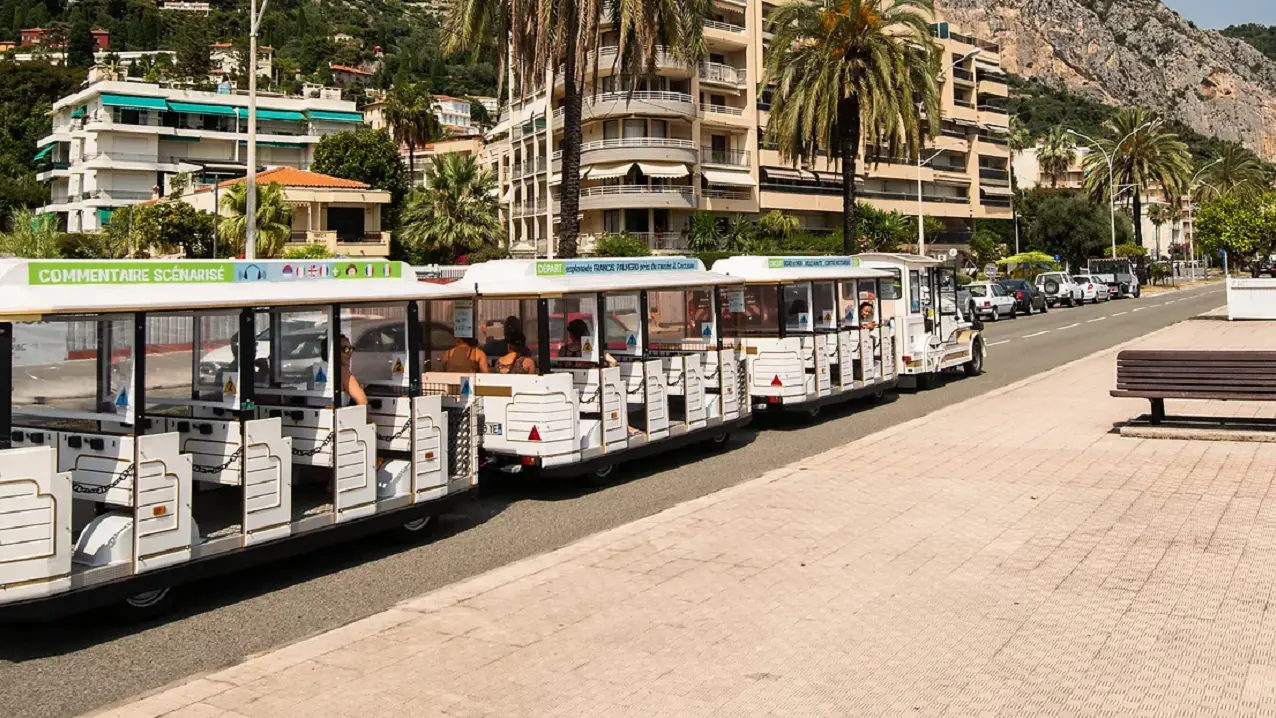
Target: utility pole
pixel 250 201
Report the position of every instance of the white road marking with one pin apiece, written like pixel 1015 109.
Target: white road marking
pixel 1119 314
pixel 1092 321
pixel 1139 309
pixel 1029 336
pixel 1070 326
pixel 997 344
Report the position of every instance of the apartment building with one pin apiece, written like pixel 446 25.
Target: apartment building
pixel 690 139
pixel 119 143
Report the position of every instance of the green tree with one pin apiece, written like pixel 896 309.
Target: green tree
pixel 80 45
pixel 31 235
pixel 368 156
pixel 776 225
pixel 1072 227
pixel 1159 215
pixel 621 245
pixel 1245 228
pixel 881 231
pixel 705 233
pixel 409 111
pixel 845 74
pixel 1236 171
pixel 194 60
pixel 161 228
pixel 1058 152
pixel 1144 154
pixel 274 219
pixel 455 212
pixel 986 246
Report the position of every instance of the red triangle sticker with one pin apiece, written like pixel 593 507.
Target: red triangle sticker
pixel 776 381
pixel 534 435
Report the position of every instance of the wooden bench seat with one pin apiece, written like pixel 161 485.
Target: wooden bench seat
pixel 1157 375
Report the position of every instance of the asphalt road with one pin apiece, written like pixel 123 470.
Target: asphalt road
pixel 90 661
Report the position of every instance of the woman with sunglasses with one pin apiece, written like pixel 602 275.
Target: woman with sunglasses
pixel 350 386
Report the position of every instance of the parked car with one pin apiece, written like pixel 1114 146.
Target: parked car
pixel 1059 289
pixel 1028 298
pixel 1093 289
pixel 991 300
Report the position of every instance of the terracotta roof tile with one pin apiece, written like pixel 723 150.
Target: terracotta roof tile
pixel 354 70
pixel 291 177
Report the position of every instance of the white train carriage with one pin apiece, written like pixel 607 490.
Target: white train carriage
pixel 626 358
pixel 931 335
pixel 170 420
pixel 810 328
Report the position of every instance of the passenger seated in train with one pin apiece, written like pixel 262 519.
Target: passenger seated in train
pixel 499 346
pixel 350 386
pixel 577 330
pixel 465 357
pixel 517 359
pixel 867 320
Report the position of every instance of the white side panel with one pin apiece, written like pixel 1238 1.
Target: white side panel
pixel 615 410
pixel 356 477
pixel 778 368
pixel 727 385
pixel 546 404
pixel 693 390
pixel 163 513
pixel 586 382
pixel 211 446
pixel 868 361
pixel 657 399
pixel 429 445
pixel 848 347
pixel 889 356
pixel 823 375
pixel 267 481
pixel 98 460
pixel 35 524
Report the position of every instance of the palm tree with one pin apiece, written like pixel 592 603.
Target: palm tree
pixel 409 111
pixel 1159 214
pixel 1236 170
pixel 274 218
pixel 846 72
pixel 539 34
pixel 1144 153
pixel 1058 152
pixel 1019 138
pixel 457 209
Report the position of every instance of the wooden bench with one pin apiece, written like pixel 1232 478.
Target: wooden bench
pixel 1157 375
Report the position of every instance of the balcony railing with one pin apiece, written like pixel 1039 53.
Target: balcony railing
pixel 961 74
pixel 116 195
pixel 992 173
pixel 975 42
pixel 722 110
pixel 635 96
pixel 688 193
pixel 630 142
pixel 993 77
pixel 122 157
pixel 993 108
pixel 992 139
pixel 736 194
pixel 722 74
pixel 995 201
pixel 653 240
pixel 734 158
pixel 723 26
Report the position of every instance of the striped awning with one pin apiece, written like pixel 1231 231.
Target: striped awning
pixel 131 102
pixel 356 117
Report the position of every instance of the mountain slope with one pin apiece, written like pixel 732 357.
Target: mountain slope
pixel 1133 52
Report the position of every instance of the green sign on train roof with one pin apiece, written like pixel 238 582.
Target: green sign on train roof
pixel 81 273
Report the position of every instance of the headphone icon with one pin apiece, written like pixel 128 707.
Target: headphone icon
pixel 252 273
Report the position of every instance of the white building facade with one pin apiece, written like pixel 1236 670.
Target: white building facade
pixel 115 144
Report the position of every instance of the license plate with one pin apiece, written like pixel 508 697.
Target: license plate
pixel 493 429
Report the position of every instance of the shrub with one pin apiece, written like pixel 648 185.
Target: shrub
pixel 621 245
pixel 309 251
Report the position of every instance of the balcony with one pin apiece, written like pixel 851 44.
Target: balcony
pixel 640 102
pixel 637 197
pixel 725 115
pixel 737 195
pixel 356 244
pixel 725 34
pixel 965 76
pixel 725 158
pixel 992 173
pixel 529 208
pixel 715 73
pixel 655 241
pixel 634 149
pixel 607 62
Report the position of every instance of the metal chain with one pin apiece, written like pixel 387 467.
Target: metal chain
pixel 395 435
pixel 96 489
pixel 218 469
pixel 317 449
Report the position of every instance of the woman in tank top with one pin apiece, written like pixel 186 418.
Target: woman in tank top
pixel 465 357
pixel 516 359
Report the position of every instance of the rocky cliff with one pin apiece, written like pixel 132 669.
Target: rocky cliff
pixel 1132 52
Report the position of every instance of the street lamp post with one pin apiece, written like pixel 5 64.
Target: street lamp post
pixel 1191 210
pixel 1111 173
pixel 250 201
pixel 921 209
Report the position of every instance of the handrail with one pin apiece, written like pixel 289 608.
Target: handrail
pixel 718 72
pixel 735 158
pixel 617 189
pixel 724 26
pixel 637 95
pixel 722 110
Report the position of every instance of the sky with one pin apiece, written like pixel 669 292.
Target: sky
pixel 1221 13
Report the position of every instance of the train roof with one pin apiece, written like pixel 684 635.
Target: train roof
pixel 533 277
pixel 759 270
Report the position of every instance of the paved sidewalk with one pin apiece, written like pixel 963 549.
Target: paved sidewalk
pixel 1007 556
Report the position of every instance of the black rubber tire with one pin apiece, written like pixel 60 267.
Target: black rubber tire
pixel 146 606
pixel 1045 307
pixel 602 476
pixel 719 442
pixel 1138 291
pixel 925 382
pixel 975 366
pixel 417 529
pixel 1052 286
pixel 995 316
